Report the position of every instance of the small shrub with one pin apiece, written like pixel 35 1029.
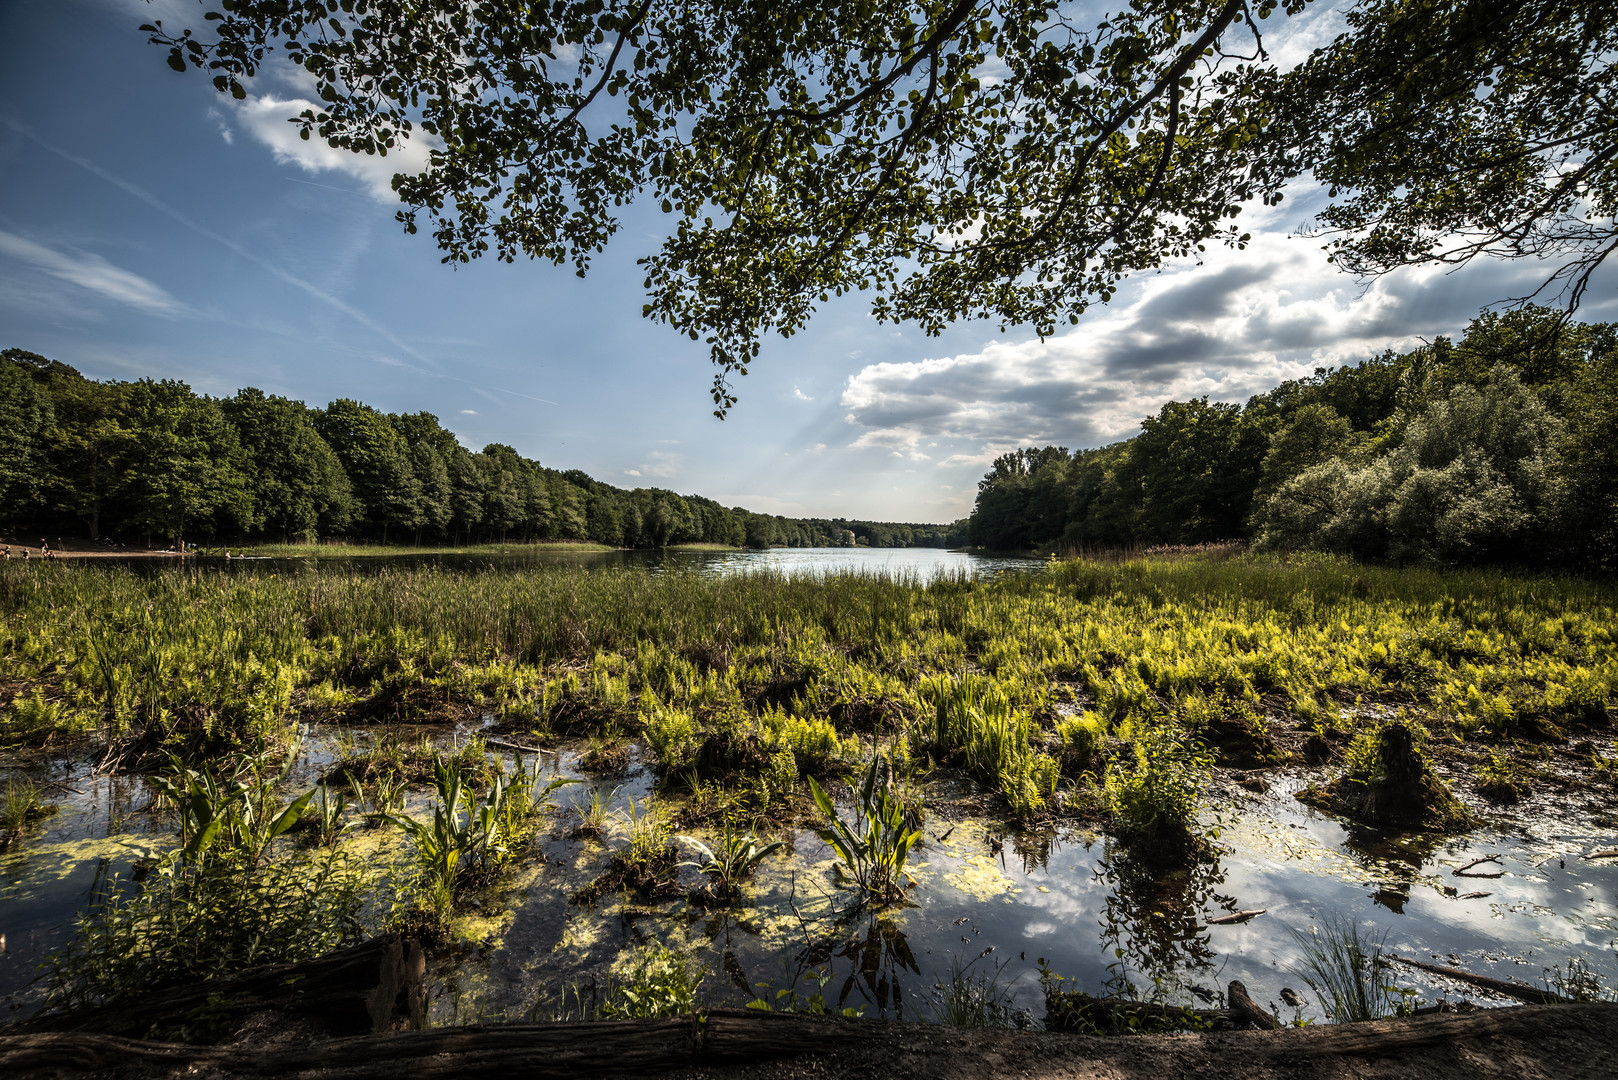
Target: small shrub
pixel 189 921
pixel 1154 796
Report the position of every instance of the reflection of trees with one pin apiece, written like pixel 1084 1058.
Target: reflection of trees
pixel 1395 860
pixel 1153 919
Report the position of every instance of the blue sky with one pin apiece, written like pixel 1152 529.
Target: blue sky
pixel 150 226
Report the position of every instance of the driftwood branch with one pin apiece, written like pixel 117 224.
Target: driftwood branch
pixel 1237 917
pixel 1462 871
pixel 1519 991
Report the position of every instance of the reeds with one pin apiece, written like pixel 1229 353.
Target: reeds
pixel 1341 965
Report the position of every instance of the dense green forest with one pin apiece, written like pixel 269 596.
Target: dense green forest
pixel 150 459
pixel 1501 447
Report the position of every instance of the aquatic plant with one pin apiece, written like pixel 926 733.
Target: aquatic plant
pixel 732 857
pixel 1343 969
pixel 325 813
pixel 874 842
pixel 239 813
pixel 463 832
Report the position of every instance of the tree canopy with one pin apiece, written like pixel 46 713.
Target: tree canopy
pixel 150 458
pixel 1499 447
pixel 1001 159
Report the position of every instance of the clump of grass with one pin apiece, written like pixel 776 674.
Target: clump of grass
pixel 1578 981
pixel 974 723
pixel 1343 968
pixel 974 998
pixel 607 752
pixel 1501 779
pixel 22 806
pixel 647 864
pixel 592 813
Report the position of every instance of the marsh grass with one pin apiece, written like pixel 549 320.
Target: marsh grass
pixel 758 681
pixel 1343 967
pixel 971 998
pixel 22 805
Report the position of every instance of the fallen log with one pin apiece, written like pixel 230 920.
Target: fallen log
pixel 1568 1042
pixel 1079 1012
pixel 1519 991
pixel 379 985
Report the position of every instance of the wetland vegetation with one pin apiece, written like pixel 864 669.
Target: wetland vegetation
pixel 327 753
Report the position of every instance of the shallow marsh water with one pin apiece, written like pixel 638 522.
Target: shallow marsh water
pixel 920 564
pixel 986 898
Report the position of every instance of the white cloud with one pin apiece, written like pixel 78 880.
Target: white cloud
pixel 469 412
pixel 92 272
pixel 266 118
pixel 800 395
pixel 224 127
pixel 659 464
pixel 1227 330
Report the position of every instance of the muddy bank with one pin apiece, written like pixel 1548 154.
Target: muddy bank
pixel 1565 1042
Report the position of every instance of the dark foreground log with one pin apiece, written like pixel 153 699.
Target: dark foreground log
pixel 377 986
pixel 1561 1042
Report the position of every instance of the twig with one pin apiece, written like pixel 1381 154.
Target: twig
pixel 1604 853
pixel 501 744
pixel 1462 871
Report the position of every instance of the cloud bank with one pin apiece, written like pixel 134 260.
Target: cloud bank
pixel 1234 327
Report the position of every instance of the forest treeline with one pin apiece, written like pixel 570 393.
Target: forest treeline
pixel 150 459
pixel 1499 447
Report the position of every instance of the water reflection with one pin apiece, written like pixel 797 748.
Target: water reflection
pixel 1152 921
pixel 920 564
